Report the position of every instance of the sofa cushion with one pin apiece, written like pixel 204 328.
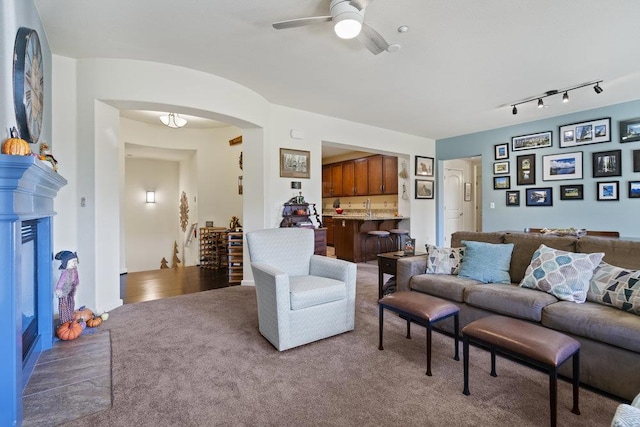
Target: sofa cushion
pixel 443 260
pixel 615 286
pixel 510 300
pixel 623 253
pixel 563 274
pixel 442 286
pixel 486 262
pixel 595 321
pixel 307 291
pixel 476 236
pixel 525 244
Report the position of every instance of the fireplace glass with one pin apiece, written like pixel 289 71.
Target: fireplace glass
pixel 28 287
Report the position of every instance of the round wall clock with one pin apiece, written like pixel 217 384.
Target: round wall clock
pixel 28 84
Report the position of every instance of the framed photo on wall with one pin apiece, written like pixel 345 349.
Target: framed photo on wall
pixel 526 169
pixel 501 182
pixel 636 160
pixel 571 192
pixel 630 130
pixel 501 151
pixel 501 168
pixel 424 189
pixel 590 132
pixel 513 198
pixel 562 166
pixel 540 196
pixel 424 166
pixel 294 163
pixel 634 189
pixel 608 190
pixel 607 163
pixel 534 140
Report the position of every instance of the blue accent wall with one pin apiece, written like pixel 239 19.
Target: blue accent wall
pixel 589 213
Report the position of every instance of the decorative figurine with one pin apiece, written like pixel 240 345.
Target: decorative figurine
pixel 67 284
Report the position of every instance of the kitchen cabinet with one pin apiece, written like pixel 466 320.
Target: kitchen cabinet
pixel 348 179
pixel 328 223
pixel 383 175
pixel 361 173
pixel 326 181
pixel 332 180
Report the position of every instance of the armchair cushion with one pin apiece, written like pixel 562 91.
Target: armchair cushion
pixel 307 291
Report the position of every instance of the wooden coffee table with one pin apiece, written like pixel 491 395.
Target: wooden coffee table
pixel 388 264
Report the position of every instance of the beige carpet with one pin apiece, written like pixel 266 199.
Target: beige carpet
pixel 199 360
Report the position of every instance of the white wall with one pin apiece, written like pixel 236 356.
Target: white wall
pixel 265 128
pixel 150 228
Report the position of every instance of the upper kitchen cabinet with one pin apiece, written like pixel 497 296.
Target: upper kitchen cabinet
pixel 355 177
pixel 332 180
pixel 383 175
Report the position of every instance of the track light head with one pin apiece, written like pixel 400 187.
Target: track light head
pixel 565 97
pixel 540 103
pixel 515 110
pixel 597 88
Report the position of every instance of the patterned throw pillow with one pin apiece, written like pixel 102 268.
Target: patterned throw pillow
pixel 562 274
pixel 443 260
pixel 486 262
pixel 615 286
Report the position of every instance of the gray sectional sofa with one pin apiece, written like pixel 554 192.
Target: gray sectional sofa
pixel 609 337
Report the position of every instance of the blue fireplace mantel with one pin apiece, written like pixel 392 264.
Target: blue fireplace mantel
pixel 27 189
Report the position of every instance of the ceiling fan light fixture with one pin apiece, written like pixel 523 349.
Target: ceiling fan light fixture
pixel 173 120
pixel 347 19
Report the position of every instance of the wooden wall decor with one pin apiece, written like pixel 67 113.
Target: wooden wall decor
pixel 184 211
pixel 236 140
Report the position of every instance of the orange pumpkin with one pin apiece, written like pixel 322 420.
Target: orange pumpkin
pixel 82 313
pixel 94 322
pixel 69 331
pixel 16 146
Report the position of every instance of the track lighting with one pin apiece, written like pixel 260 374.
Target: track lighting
pixel 565 95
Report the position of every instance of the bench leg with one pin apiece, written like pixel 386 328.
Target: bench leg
pixel 576 383
pixel 465 365
pixel 553 395
pixel 408 329
pixel 429 349
pixel 456 326
pixel 493 362
pixel 380 317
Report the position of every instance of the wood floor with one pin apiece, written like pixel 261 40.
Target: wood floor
pixel 169 282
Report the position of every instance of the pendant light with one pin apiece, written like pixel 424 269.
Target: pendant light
pixel 173 120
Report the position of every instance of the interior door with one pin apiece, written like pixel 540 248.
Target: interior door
pixel 453 199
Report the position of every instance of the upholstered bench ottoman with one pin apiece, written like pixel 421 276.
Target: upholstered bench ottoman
pixel 536 345
pixel 421 309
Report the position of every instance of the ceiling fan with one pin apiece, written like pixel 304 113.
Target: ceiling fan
pixel 348 18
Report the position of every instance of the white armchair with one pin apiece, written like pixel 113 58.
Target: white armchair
pixel 301 297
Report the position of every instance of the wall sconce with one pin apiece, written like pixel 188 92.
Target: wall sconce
pixel 151 197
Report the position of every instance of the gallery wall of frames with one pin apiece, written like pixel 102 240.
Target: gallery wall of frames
pixel 577 170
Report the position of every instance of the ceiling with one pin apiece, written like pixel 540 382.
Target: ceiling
pixel 460 66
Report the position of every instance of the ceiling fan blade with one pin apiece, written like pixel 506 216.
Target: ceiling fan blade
pixel 372 40
pixel 360 4
pixel 300 22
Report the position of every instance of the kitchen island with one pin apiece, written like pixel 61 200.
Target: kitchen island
pixel 350 232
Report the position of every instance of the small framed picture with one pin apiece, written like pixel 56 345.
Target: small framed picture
pixel 410 247
pixel 591 132
pixel 208 223
pixel 526 169
pixel 571 192
pixel 501 168
pixel 608 190
pixel 467 191
pixel 501 151
pixel 424 166
pixel 607 163
pixel 513 198
pixel 562 166
pixel 636 160
pixel 294 163
pixel 634 189
pixel 501 182
pixel 540 196
pixel 534 140
pixel 630 130
pixel 424 189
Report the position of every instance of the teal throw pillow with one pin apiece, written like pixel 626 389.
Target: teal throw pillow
pixel 615 286
pixel 486 262
pixel 565 275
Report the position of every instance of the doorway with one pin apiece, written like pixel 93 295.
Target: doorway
pixel 462 196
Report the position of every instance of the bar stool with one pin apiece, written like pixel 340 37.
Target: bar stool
pixel 399 234
pixel 378 235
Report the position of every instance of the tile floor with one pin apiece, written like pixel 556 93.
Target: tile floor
pixel 74 377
